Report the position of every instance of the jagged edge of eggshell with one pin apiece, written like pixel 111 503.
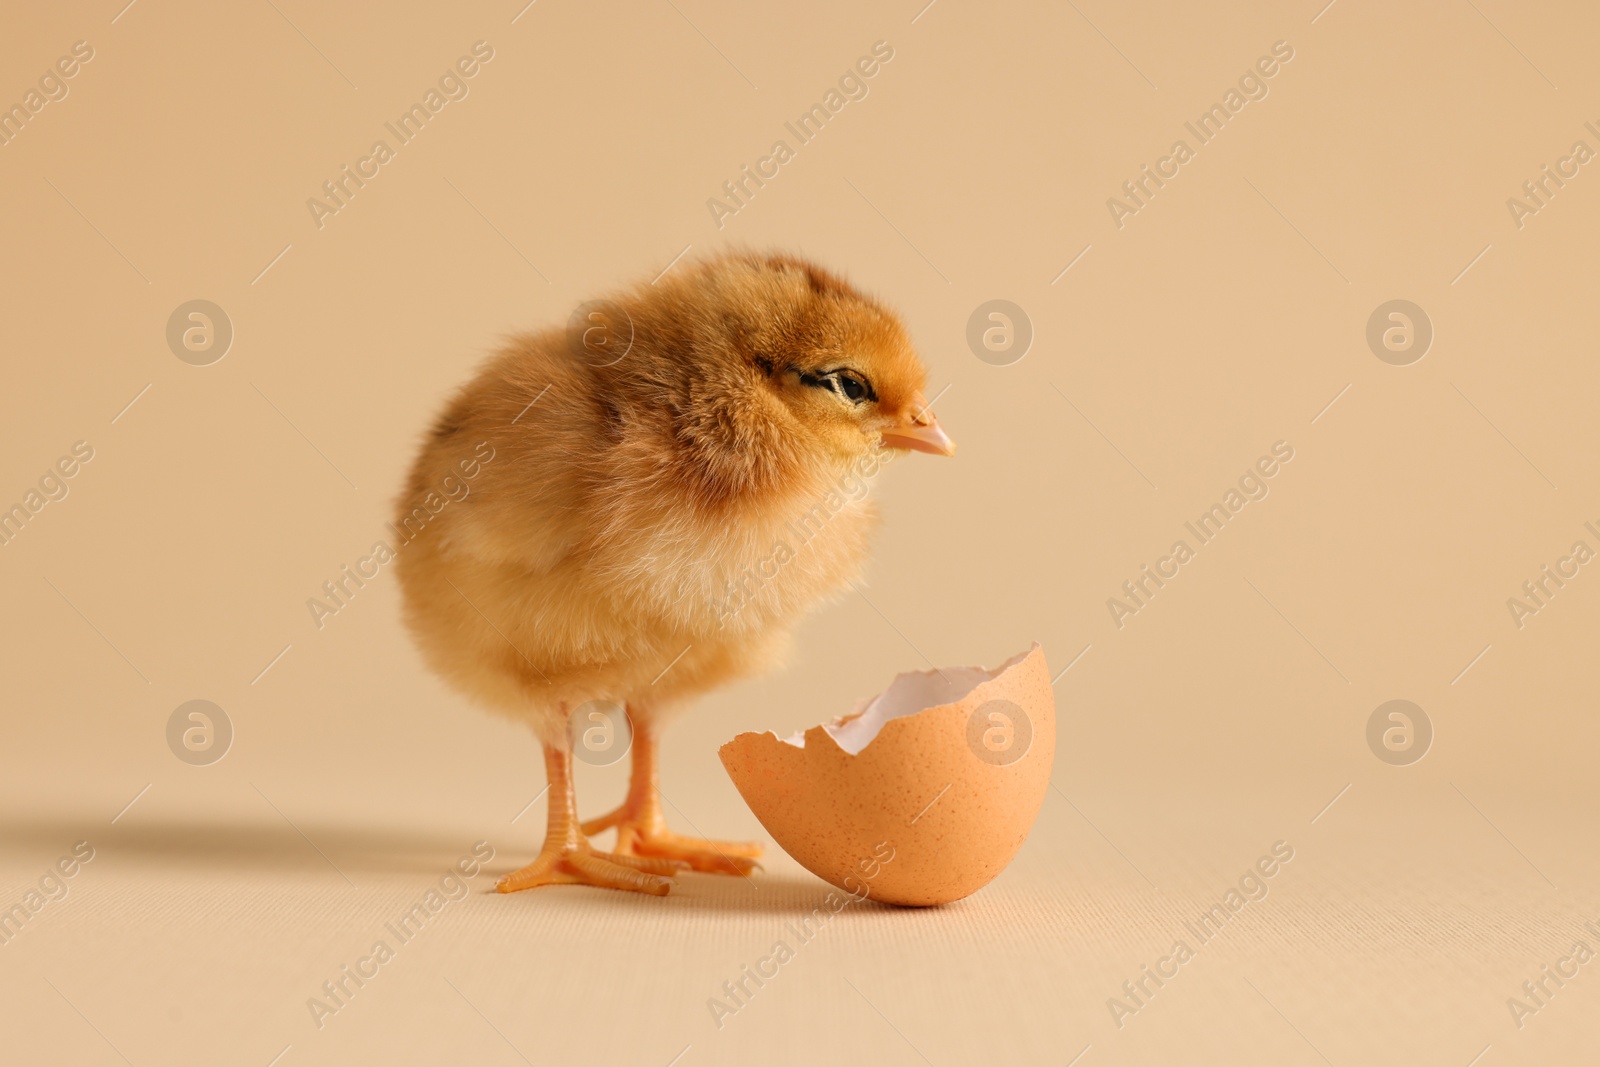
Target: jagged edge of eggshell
pixel 813 735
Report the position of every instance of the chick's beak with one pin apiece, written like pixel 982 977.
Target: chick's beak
pixel 919 431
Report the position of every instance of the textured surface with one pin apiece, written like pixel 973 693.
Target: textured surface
pixel 1178 336
pixel 1393 936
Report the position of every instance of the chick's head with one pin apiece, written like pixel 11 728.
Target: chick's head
pixel 854 383
pixel 845 376
pixel 763 370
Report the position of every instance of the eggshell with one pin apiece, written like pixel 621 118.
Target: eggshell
pixel 905 802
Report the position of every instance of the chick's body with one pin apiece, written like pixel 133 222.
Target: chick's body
pixel 584 558
pixel 615 511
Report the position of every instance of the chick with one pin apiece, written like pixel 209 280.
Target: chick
pixel 628 533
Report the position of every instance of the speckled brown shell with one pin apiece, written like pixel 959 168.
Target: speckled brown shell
pixel 839 814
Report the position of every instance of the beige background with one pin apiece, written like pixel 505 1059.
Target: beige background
pixel 1223 317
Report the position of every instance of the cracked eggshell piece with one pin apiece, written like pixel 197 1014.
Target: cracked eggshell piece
pixel 923 794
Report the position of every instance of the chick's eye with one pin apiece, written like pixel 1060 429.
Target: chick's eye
pixel 852 387
pixel 846 384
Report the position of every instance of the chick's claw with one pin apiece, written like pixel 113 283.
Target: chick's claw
pixel 583 866
pixel 711 857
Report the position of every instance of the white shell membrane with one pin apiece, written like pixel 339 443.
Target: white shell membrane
pixel 909 694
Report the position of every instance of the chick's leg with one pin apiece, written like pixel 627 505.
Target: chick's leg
pixel 567 857
pixel 642 828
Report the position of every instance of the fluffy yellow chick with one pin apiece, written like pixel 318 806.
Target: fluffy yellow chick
pixel 659 494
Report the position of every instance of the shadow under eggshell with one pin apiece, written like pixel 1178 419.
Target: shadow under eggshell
pixel 947 819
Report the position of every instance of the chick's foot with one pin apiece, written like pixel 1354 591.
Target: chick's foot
pixel 582 865
pixel 567 858
pixel 642 826
pixel 700 854
pixel 642 837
